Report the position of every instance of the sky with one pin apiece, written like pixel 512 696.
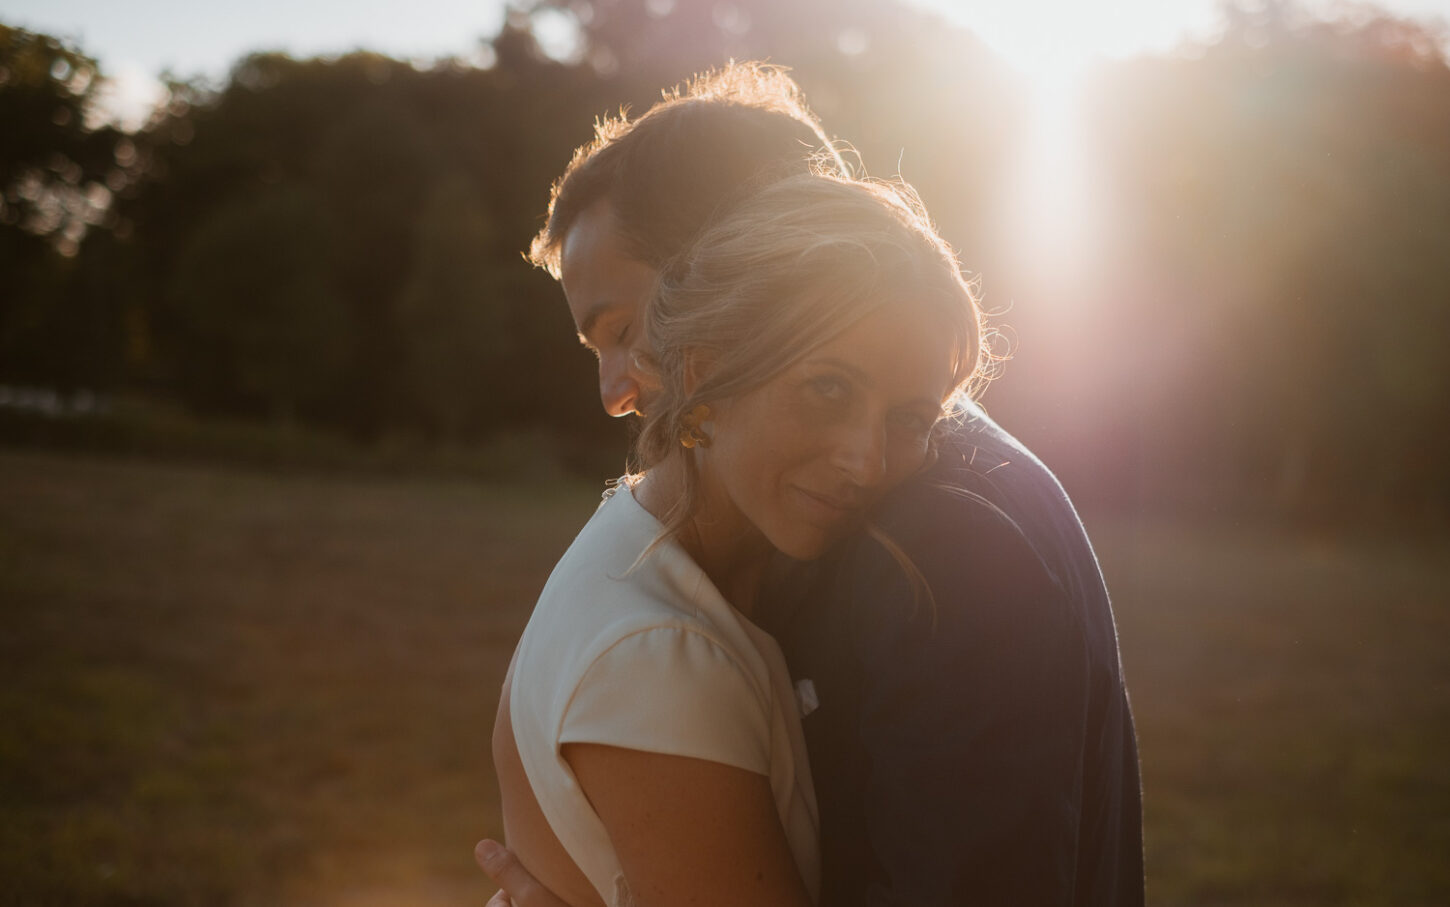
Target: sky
pixel 1030 31
pixel 136 40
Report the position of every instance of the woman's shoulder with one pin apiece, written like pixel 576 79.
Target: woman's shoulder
pixel 621 567
pixel 620 579
pixel 617 641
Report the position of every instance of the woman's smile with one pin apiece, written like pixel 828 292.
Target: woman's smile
pixel 799 461
pixel 832 507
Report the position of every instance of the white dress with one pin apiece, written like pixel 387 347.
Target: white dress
pixel 649 656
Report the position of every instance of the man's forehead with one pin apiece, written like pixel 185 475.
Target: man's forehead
pixel 594 233
pixel 605 283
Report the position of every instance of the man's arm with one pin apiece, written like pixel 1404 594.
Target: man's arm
pixel 973 718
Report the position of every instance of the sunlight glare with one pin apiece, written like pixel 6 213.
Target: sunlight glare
pixel 127 98
pixel 1036 36
pixel 1051 197
pixel 1053 214
pixel 1049 216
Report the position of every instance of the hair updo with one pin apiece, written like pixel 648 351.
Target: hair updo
pixel 781 273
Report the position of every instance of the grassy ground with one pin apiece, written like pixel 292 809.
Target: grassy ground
pixel 1293 707
pixel 227 686
pixel 231 687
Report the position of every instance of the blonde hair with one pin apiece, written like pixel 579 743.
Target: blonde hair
pixel 785 271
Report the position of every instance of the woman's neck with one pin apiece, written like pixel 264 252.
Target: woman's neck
pixel 730 550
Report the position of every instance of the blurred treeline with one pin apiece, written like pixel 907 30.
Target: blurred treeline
pixel 1253 322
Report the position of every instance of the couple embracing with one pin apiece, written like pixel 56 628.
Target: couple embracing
pixel 838 639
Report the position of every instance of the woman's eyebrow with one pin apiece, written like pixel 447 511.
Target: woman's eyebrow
pixel 841 364
pixel 865 378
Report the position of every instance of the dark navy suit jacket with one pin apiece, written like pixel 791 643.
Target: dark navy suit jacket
pixel 976 748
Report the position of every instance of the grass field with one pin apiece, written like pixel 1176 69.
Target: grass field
pixel 230 687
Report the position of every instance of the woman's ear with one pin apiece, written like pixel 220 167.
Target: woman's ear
pixel 699 362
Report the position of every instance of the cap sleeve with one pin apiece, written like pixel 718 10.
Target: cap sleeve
pixel 675 691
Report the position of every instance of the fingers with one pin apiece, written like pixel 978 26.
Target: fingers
pixel 515 884
pixel 494 859
pixel 499 899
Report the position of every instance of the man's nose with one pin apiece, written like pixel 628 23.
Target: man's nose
pixel 618 387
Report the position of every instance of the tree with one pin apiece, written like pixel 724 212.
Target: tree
pixel 267 332
pixel 1276 275
pixel 393 158
pixel 54 168
pixel 55 177
pixel 456 331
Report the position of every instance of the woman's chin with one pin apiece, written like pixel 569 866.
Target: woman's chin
pixel 809 545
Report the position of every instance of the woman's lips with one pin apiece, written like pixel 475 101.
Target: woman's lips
pixel 833 506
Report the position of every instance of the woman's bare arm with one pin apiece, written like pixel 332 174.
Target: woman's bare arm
pixel 690 831
pixel 524 822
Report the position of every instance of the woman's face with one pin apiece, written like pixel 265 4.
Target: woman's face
pixel 802 458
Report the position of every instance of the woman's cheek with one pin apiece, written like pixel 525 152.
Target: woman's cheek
pixel 909 457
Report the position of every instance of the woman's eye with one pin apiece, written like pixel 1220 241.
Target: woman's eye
pixel 913 423
pixel 828 387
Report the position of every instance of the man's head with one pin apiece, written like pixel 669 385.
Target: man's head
pixel 636 195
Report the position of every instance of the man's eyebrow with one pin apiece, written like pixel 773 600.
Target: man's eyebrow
pixel 591 318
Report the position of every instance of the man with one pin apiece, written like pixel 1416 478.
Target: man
pixel 970 745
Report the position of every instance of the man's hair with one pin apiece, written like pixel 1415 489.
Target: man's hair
pixel 666 173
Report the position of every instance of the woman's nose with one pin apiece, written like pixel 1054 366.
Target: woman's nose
pixel 861 453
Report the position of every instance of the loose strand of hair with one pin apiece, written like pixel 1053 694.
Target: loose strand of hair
pixel 920 588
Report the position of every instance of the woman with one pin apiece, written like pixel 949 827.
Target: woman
pixel 648 743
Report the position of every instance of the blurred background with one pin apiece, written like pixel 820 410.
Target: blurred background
pixel 290 433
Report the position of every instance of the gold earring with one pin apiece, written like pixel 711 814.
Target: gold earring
pixel 691 434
